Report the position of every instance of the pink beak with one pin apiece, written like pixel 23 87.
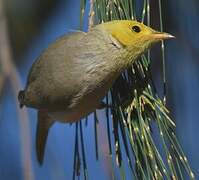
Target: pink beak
pixel 162 36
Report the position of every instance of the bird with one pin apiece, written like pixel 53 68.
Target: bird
pixel 71 77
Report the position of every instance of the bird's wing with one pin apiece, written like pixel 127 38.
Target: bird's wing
pixel 50 78
pixel 36 68
pixel 43 125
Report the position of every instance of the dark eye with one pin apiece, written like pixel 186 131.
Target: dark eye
pixel 136 29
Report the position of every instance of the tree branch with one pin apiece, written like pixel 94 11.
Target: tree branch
pixel 9 71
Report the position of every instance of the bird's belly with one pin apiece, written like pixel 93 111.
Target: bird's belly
pixel 64 116
pixel 85 106
pixel 72 115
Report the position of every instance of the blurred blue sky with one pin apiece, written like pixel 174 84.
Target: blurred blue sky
pixel 183 90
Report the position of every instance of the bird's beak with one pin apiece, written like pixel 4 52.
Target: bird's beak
pixel 161 36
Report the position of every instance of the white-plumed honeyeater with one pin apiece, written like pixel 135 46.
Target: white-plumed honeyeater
pixel 71 77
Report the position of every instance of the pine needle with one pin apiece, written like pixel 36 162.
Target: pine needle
pixel 136 107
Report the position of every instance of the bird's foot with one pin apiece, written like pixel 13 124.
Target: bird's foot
pixel 103 105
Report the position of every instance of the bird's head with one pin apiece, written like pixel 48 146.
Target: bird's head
pixel 134 36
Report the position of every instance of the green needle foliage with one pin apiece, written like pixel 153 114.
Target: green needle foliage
pixel 136 111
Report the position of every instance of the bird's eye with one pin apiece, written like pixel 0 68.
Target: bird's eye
pixel 136 29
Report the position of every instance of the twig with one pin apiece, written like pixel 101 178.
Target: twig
pixel 91 15
pixel 83 152
pixel 10 72
pixel 163 54
pixel 96 135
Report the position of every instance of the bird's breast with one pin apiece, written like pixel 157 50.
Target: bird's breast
pixel 87 101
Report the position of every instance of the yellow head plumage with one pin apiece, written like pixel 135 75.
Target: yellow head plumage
pixel 129 33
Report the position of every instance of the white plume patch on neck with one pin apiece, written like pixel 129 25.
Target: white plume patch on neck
pixel 115 42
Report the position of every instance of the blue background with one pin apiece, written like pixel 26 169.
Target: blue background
pixel 181 18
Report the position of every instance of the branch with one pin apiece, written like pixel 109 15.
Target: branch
pixel 91 15
pixel 9 71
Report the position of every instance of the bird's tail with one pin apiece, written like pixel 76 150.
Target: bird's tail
pixel 21 97
pixel 43 125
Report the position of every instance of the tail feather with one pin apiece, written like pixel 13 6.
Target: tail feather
pixel 43 125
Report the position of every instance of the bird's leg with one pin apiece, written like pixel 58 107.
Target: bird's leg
pixel 43 110
pixel 103 105
pixel 123 104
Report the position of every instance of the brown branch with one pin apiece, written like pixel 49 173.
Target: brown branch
pixel 9 71
pixel 91 15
